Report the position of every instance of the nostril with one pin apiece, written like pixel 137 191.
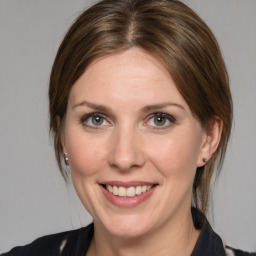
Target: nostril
pixel 126 154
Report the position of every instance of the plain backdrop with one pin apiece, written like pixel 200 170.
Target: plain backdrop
pixel 34 199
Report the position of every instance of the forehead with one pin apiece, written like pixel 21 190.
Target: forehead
pixel 127 76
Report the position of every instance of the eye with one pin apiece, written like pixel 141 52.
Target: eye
pixel 95 120
pixel 161 120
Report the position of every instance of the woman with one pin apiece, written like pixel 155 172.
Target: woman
pixel 141 112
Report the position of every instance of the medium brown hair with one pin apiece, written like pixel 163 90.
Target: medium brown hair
pixel 167 29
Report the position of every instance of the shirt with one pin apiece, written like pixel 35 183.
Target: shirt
pixel 77 242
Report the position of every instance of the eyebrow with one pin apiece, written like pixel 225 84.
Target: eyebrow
pixel 91 105
pixel 160 106
pixel 145 109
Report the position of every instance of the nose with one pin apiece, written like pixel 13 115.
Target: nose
pixel 126 152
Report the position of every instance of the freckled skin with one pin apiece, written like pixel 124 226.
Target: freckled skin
pixel 128 146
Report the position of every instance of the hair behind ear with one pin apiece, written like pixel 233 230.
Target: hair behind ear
pixel 204 173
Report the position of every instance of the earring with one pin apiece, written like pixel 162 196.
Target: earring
pixel 205 160
pixel 66 158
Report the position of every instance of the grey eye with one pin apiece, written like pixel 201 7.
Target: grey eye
pixel 159 120
pixel 97 120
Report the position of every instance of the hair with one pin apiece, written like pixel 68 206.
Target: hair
pixel 166 29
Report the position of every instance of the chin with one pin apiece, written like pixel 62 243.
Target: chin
pixel 129 226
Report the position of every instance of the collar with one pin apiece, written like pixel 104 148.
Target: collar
pixel 208 243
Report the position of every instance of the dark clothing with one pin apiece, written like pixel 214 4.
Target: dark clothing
pixel 76 243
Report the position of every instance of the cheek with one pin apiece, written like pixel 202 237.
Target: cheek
pixel 86 155
pixel 175 157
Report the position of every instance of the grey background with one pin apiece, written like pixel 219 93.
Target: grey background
pixel 34 200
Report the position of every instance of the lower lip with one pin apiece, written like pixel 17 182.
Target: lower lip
pixel 127 202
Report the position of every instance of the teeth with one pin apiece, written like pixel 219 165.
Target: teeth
pixel 138 190
pixel 128 192
pixel 115 190
pixel 144 188
pixel 122 191
pixel 110 188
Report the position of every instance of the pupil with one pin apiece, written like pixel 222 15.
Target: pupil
pixel 97 120
pixel 160 120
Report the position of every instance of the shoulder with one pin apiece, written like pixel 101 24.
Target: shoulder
pixel 209 243
pixel 53 244
pixel 235 252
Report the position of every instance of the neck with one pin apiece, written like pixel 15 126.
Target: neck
pixel 177 238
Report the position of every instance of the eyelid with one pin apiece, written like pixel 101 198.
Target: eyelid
pixel 94 114
pixel 169 117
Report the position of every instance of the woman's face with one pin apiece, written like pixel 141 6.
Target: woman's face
pixel 133 144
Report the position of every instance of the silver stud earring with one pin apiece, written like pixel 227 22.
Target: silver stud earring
pixel 205 160
pixel 66 158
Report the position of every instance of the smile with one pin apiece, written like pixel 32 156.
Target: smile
pixel 128 192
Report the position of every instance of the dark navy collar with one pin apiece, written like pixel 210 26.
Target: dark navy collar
pixel 208 243
pixel 77 242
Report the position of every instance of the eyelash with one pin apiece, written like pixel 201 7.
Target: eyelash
pixel 169 118
pixel 95 114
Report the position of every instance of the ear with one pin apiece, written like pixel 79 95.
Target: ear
pixel 210 142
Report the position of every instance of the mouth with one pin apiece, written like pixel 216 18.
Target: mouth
pixel 131 191
pixel 127 194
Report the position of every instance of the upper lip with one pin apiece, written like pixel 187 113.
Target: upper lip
pixel 127 184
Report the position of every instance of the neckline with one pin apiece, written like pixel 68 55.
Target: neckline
pixel 208 243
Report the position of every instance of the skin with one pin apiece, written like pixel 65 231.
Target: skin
pixel 129 145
